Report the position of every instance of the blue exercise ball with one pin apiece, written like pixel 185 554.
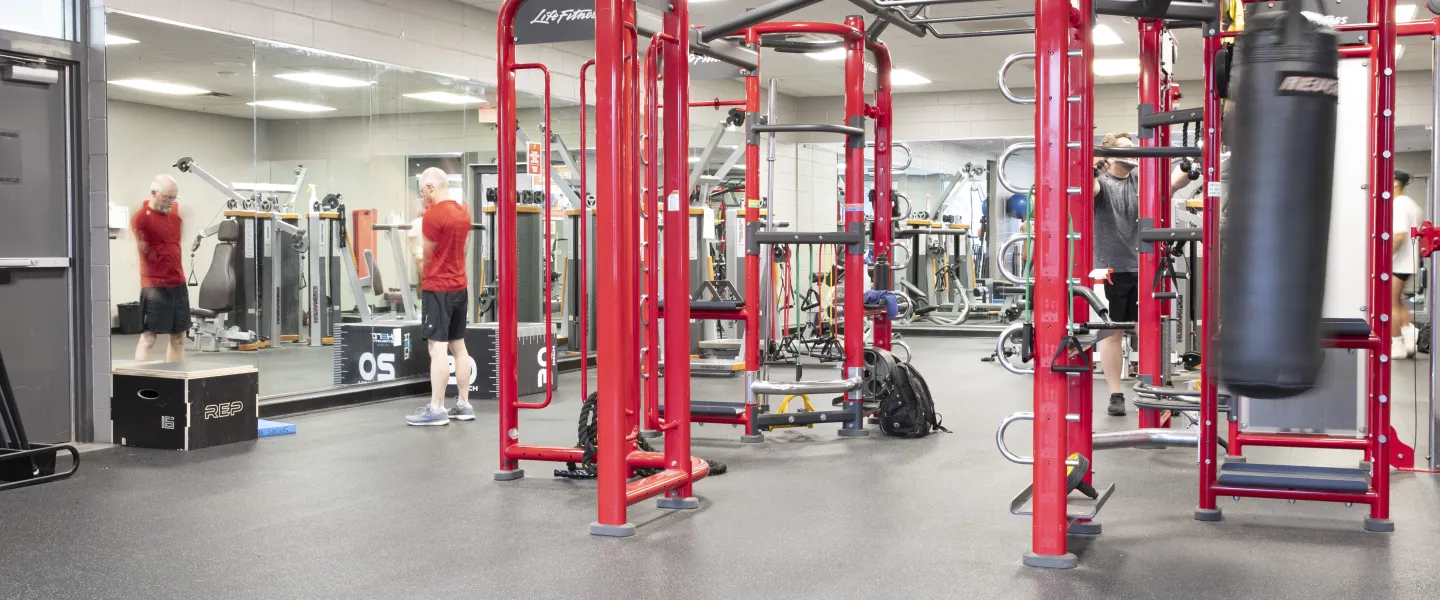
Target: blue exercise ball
pixel 1016 206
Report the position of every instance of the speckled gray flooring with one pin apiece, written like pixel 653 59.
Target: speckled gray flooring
pixel 359 506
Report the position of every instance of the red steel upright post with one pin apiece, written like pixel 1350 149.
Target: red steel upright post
pixel 884 232
pixel 632 198
pixel 1382 176
pixel 753 335
pixel 677 241
pixel 854 221
pixel 507 313
pixel 584 277
pixel 649 199
pixel 1052 289
pixel 1081 386
pixel 1209 294
pixel 1153 177
pixel 615 257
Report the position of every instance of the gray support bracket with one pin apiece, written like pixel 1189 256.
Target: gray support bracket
pixel 858 140
pixel 857 230
pixel 1147 223
pixel 752 245
pixel 752 137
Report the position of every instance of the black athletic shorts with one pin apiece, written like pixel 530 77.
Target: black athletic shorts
pixel 165 309
pixel 442 315
pixel 1122 294
pixel 1403 277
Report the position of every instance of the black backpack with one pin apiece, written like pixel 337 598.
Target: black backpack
pixel 906 409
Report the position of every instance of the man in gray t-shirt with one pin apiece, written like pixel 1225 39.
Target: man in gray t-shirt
pixel 1117 248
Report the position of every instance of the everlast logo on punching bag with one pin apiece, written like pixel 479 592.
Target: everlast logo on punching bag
pixel 1306 84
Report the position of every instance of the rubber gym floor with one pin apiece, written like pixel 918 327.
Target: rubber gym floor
pixel 357 505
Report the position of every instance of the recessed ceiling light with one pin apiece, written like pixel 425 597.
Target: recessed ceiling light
pixel 907 77
pixel 159 87
pixel 323 79
pixel 1404 12
pixel 694 159
pixel 120 40
pixel 1107 67
pixel 832 54
pixel 290 105
pixel 446 98
pixel 1103 35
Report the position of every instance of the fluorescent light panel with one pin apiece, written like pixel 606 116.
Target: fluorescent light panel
pixel 446 98
pixel 1107 67
pixel 694 159
pixel 907 77
pixel 1103 35
pixel 291 105
pixel 1404 12
pixel 324 79
pixel 120 40
pixel 159 87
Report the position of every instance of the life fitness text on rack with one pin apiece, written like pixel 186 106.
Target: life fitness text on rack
pixel 546 17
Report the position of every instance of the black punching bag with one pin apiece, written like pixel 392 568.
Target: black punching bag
pixel 1272 265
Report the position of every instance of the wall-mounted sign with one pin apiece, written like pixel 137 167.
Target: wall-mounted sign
pixel 549 21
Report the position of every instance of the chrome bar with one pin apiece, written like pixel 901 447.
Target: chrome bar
pixel 1432 299
pixel 1009 332
pixel 1004 158
pixel 1136 438
pixel 785 388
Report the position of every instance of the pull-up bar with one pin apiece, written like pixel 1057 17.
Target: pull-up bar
pixel 749 18
pixel 1187 11
pixel 1149 152
pixel 890 16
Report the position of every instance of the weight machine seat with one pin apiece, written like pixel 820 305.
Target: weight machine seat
pixel 377 285
pixel 1294 477
pixel 217 290
pixel 1345 326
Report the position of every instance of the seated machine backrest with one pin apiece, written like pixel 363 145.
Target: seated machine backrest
pixel 217 290
pixel 377 285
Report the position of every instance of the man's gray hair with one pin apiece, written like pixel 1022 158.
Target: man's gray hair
pixel 163 182
pixel 433 176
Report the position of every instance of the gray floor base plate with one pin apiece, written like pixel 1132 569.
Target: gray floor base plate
pixel 509 475
pixel 752 439
pixel 1209 515
pixel 678 503
pixel 1046 561
pixel 1379 525
pixel 650 435
pixel 1085 528
pixel 625 530
pixel 853 432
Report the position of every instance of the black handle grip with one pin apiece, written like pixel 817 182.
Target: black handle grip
pixel 1165 296
pixel 1070 368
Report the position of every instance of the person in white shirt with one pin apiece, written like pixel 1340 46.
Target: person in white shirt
pixel 1407 214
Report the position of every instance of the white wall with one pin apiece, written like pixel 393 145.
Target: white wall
pixel 146 141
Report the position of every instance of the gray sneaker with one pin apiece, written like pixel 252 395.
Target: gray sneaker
pixel 428 416
pixel 462 412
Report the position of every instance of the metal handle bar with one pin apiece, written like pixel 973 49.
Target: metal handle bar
pixel 782 388
pixel 1005 157
pixel 1024 416
pixel 1010 62
pixel 1005 336
pixel 1004 269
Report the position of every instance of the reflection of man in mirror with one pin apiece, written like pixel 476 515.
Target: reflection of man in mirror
pixel 444 302
pixel 164 299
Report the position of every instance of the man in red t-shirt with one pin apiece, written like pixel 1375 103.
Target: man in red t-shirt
pixel 164 299
pixel 444 302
